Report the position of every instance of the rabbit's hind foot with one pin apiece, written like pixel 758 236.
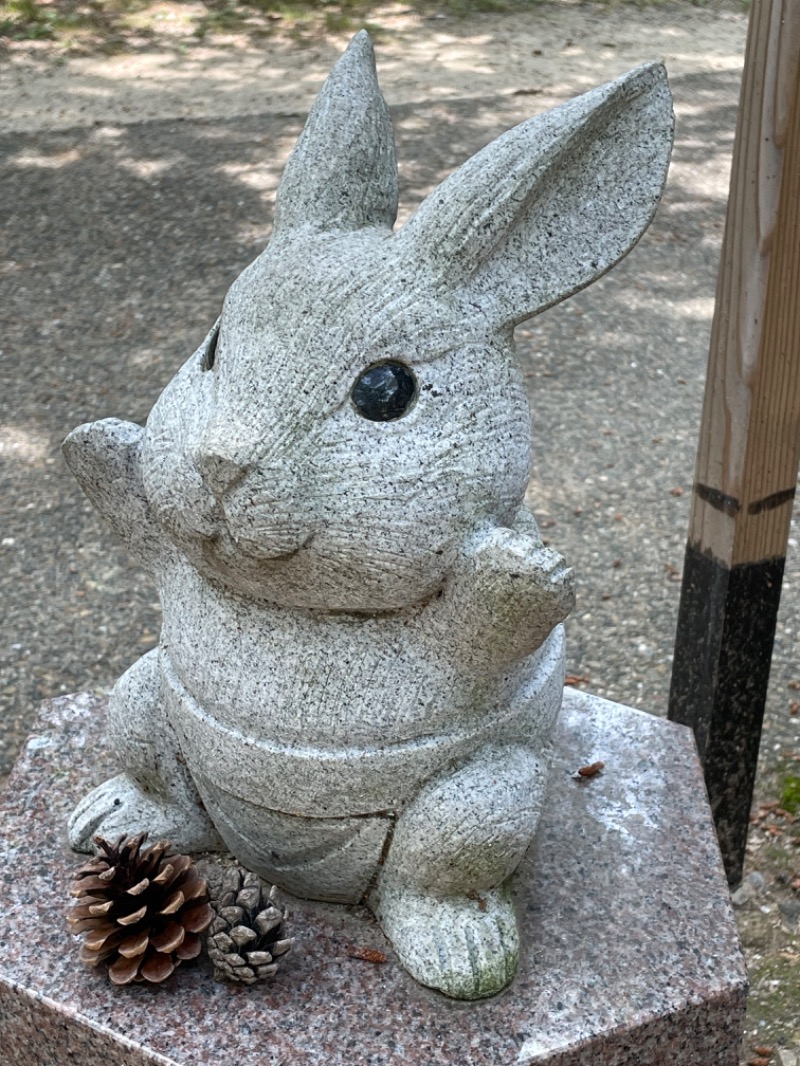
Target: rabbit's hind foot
pixel 119 806
pixel 464 946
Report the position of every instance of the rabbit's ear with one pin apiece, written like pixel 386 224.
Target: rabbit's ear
pixel 342 174
pixel 550 205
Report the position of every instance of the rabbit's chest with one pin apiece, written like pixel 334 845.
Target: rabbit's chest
pixel 299 678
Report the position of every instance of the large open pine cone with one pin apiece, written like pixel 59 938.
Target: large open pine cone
pixel 140 912
pixel 245 937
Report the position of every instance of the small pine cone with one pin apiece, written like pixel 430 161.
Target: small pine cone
pixel 245 937
pixel 140 912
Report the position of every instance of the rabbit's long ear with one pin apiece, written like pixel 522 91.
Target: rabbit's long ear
pixel 550 205
pixel 342 174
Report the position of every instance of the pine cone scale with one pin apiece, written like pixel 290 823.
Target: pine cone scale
pixel 190 948
pixel 169 939
pixel 137 890
pixel 259 958
pixel 131 919
pixel 197 918
pixel 88 884
pixel 174 903
pixel 158 967
pixel 123 971
pixel 241 935
pixel 101 934
pixel 134 945
pixel 97 909
pixel 165 876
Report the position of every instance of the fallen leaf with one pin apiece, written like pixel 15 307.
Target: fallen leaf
pixel 367 954
pixel 482 905
pixel 592 770
pixel 576 679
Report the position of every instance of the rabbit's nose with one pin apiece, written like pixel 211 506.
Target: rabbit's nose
pixel 219 471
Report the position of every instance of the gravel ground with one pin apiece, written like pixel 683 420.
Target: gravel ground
pixel 119 239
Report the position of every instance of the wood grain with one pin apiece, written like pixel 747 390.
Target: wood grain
pixel 750 435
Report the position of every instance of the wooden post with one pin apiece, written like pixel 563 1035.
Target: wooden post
pixel 749 439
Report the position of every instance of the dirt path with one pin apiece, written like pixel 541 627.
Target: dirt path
pixel 565 48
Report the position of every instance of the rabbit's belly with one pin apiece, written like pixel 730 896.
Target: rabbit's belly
pixel 344 778
pixel 333 859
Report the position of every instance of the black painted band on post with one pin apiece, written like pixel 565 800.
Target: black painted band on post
pixel 723 650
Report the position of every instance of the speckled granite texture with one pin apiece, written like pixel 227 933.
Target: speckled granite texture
pixel 630 954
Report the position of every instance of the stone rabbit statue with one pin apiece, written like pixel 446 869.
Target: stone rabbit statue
pixel 361 661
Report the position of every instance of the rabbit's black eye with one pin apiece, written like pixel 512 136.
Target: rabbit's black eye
pixel 210 354
pixel 384 391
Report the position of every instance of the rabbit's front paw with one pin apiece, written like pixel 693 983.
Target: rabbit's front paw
pixel 508 593
pixel 119 806
pixel 465 946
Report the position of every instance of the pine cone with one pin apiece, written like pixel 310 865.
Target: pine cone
pixel 140 913
pixel 244 939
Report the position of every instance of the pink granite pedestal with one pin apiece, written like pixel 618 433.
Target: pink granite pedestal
pixel 630 953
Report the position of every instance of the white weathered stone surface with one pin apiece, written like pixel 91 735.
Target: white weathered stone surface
pixel 361 660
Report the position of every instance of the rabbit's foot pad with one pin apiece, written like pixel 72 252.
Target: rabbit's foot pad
pixel 464 946
pixel 119 806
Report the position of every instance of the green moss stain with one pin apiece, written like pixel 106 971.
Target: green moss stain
pixel 790 794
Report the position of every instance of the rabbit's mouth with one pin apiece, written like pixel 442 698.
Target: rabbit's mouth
pixel 227 546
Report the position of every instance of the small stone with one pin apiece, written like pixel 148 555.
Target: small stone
pixel 756 881
pixel 790 910
pixel 741 896
pixel 786 1057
